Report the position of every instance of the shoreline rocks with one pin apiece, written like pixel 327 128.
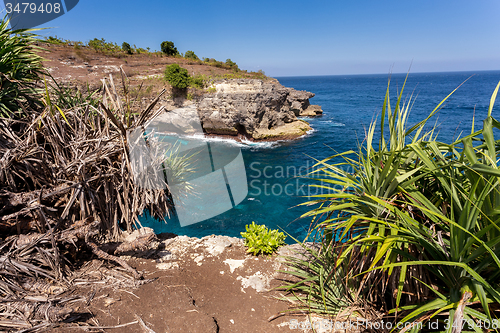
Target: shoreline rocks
pixel 257 109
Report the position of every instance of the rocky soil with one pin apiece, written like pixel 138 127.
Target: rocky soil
pixel 200 285
pixel 256 108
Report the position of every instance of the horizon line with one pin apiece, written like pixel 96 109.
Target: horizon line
pixel 389 73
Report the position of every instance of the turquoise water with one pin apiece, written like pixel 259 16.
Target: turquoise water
pixel 349 104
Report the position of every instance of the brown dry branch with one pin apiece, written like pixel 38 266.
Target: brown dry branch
pixel 66 190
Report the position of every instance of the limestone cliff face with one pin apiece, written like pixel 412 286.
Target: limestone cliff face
pixel 257 108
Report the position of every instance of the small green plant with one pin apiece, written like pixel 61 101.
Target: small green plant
pixel 259 239
pixel 108 48
pixel 126 47
pixel 191 55
pixel 197 81
pixel 67 98
pixel 177 76
pixel 55 40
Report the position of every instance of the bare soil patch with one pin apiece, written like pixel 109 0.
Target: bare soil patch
pixel 200 285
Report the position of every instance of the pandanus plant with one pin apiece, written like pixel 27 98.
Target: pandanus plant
pixel 410 226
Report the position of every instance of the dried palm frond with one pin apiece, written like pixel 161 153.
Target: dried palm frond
pixel 66 183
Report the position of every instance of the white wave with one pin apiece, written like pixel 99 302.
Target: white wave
pixel 312 130
pixel 334 123
pixel 203 137
pixel 241 143
pixel 259 144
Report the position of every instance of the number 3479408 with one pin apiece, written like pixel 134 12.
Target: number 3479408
pixel 471 324
pixel 32 8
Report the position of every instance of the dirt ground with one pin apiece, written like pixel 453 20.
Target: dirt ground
pixel 200 285
pixel 84 66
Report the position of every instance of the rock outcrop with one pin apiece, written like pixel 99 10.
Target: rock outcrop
pixel 256 108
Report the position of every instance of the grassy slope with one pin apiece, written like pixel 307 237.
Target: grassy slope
pixel 83 65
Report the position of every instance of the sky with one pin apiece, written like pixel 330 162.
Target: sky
pixel 299 38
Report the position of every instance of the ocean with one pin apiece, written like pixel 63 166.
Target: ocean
pixel 350 103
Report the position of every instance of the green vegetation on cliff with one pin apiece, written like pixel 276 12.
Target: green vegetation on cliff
pixel 20 71
pixel 409 226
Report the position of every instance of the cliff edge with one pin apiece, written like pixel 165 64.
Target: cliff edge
pixel 258 109
pixel 254 106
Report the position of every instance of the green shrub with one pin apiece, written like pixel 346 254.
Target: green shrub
pixel 259 239
pixel 415 212
pixel 231 64
pixel 20 69
pixel 126 47
pixel 168 48
pixel 177 76
pixel 191 55
pixel 100 45
pixel 67 97
pixel 55 40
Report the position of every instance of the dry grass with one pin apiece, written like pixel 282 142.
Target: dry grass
pixel 66 188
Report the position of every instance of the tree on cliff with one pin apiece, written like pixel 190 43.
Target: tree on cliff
pixel 168 48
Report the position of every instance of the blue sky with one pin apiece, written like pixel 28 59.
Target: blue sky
pixel 287 38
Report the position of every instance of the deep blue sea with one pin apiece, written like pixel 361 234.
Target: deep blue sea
pixel 349 102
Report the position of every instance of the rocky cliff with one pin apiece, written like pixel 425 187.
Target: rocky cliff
pixel 256 108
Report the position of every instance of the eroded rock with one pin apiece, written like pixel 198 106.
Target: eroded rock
pixel 255 108
pixel 311 111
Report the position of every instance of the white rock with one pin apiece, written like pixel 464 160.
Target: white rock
pixel 233 264
pixel 165 255
pixel 198 260
pixel 167 265
pixel 216 245
pixel 258 281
